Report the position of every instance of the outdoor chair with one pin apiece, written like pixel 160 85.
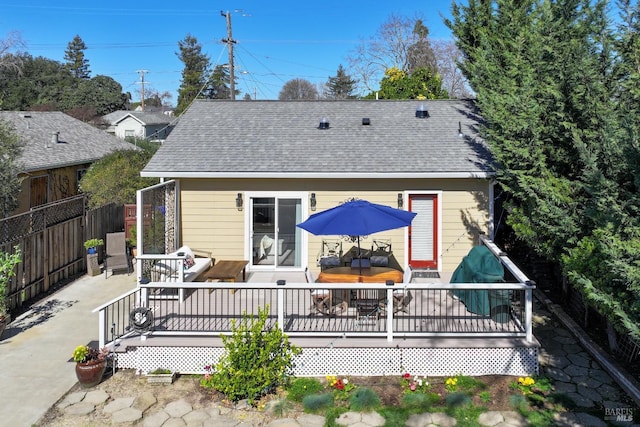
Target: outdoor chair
pixel 116 256
pixel 330 254
pixel 368 305
pixel 380 252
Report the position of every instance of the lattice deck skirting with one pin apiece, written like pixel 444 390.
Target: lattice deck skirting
pixel 355 361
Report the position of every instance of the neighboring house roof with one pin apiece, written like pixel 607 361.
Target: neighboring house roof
pixel 111 118
pixel 77 142
pixel 282 139
pixel 145 118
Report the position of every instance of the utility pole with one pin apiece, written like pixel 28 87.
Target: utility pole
pixel 230 42
pixel 141 82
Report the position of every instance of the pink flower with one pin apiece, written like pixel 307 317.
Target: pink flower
pixel 413 386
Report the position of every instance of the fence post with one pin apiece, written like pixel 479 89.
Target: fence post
pixel 390 310
pixel 528 309
pixel 281 304
pixel 102 328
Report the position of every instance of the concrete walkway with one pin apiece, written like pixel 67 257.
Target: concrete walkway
pixel 36 348
pixel 35 359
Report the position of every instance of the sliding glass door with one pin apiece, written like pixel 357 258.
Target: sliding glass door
pixel 275 239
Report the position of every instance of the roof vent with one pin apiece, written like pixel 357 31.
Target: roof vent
pixel 54 137
pixel 324 123
pixel 422 112
pixel 366 121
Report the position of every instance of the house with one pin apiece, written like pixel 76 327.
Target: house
pixel 139 124
pixel 58 150
pixel 237 178
pixel 247 170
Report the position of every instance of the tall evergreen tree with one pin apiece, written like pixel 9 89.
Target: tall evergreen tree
pixel 219 84
pixel 194 73
pixel 76 63
pixel 10 150
pixel 543 72
pixel 341 86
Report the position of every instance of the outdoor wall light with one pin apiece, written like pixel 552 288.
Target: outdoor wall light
pixel 400 201
pixel 312 201
pixel 239 201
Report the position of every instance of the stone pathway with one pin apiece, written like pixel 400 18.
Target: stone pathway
pixel 139 410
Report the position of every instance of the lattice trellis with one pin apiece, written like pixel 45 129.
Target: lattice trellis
pixel 318 362
pixel 159 219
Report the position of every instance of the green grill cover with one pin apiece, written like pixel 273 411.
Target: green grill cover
pixel 480 266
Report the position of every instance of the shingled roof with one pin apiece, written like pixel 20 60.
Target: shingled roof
pixel 219 138
pixel 77 142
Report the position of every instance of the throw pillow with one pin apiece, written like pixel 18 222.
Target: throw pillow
pixel 189 262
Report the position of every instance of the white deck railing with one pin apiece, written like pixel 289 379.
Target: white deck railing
pixel 384 310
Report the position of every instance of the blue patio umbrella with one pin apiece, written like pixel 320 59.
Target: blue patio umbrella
pixel 357 218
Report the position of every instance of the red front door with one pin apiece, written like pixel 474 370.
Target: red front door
pixel 423 232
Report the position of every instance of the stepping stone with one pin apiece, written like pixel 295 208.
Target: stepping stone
pixel 174 422
pixel 178 408
pixel 81 408
pixel 373 419
pixel 490 418
pixel 310 420
pixel 96 397
pixel 126 415
pixel 196 417
pixel 284 422
pixel 580 359
pixel 71 399
pixel 348 418
pixel 118 404
pixel 144 401
pixel 580 400
pixel 155 419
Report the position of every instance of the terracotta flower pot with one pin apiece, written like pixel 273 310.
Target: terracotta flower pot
pixel 90 373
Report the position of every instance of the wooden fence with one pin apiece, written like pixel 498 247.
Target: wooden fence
pixel 51 240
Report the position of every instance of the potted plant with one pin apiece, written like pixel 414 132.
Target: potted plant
pixel 161 376
pixel 7 271
pixel 91 245
pixel 90 364
pixel 132 241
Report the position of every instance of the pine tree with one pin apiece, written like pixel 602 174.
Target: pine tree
pixel 549 86
pixel 76 63
pixel 194 74
pixel 341 86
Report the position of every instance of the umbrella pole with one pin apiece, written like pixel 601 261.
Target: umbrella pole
pixel 359 256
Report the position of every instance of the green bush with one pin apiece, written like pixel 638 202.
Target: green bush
pixel 364 399
pixel 255 362
pixel 457 399
pixel 302 387
pixel 420 400
pixel 317 402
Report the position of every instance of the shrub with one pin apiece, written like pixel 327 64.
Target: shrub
pixel 317 402
pixel 457 399
pixel 364 399
pixel 420 400
pixel 302 387
pixel 255 362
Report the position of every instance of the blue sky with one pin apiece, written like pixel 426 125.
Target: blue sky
pixel 276 41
